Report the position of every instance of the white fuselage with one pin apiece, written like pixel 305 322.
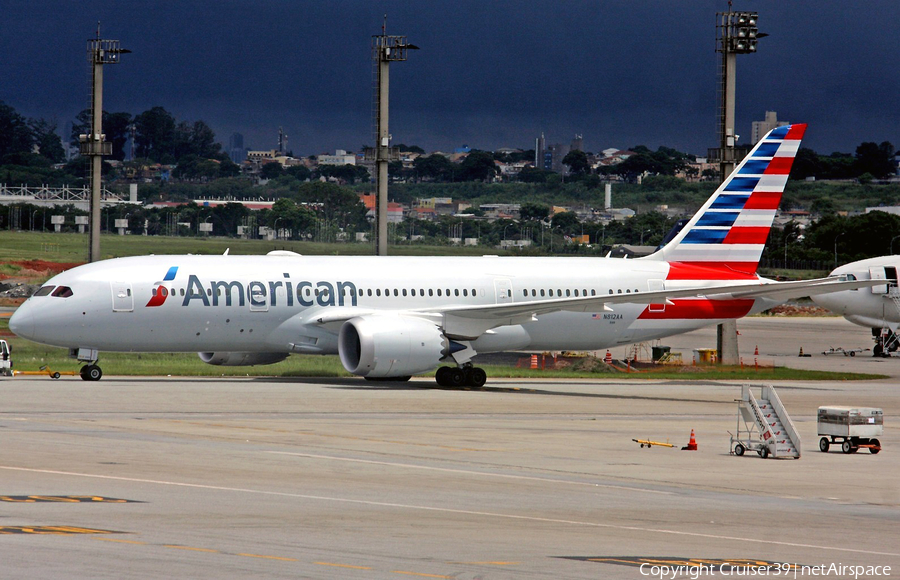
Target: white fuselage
pixel 875 307
pixel 274 303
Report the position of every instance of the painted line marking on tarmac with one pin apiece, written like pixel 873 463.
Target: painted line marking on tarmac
pixel 434 509
pixel 191 549
pixel 264 557
pixel 329 435
pixel 420 574
pixel 336 565
pixel 135 542
pixel 471 472
pixel 57 530
pixel 488 563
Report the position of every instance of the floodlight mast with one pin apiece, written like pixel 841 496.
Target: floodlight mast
pixel 385 49
pixel 94 144
pixel 736 33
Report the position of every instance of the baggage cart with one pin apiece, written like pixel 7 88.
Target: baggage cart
pixel 852 428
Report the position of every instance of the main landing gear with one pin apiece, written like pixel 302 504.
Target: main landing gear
pixel 91 372
pixel 467 376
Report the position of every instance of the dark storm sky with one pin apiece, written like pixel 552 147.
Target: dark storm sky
pixel 489 74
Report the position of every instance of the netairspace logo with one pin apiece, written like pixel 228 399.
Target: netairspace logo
pixel 784 570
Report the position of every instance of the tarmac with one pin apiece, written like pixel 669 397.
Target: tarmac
pixel 340 478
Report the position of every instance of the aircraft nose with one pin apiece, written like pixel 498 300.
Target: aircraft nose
pixel 21 323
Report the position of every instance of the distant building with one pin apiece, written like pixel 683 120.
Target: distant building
pixel 340 157
pixel 539 145
pixel 577 143
pixel 760 128
pixel 236 150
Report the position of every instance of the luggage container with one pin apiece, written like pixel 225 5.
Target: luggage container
pixel 851 427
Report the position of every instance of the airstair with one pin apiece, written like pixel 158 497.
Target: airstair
pixel 764 426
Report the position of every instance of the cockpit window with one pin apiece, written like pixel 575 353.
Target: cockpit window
pixel 44 290
pixel 62 292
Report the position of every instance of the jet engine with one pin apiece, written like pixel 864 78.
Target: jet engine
pixel 241 359
pixel 391 346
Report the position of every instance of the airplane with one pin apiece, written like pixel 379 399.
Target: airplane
pixel 877 307
pixel 392 317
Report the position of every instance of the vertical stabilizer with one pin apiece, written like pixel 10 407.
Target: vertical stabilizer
pixel 730 230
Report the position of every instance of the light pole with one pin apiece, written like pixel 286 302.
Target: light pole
pixel 34 213
pixel 278 219
pixel 835 247
pixel 642 235
pixel 385 50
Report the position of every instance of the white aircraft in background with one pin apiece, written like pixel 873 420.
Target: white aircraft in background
pixel 876 307
pixel 392 317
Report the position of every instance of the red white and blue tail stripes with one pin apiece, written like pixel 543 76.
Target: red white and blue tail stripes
pixel 730 230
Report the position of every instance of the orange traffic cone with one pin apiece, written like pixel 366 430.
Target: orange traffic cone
pixel 692 444
pixel 608 358
pixel 534 361
pixel 756 351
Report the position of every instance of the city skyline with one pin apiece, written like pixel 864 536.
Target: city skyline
pixel 487 75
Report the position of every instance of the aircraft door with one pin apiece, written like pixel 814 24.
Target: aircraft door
pixel 657 286
pixel 877 273
pixel 122 297
pixel 503 290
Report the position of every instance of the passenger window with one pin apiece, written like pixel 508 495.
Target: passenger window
pixel 525 293
pixel 404 291
pixel 567 293
pixel 533 292
pixel 473 292
pixel 378 291
pixel 465 292
pixel 44 290
pixel 456 292
pixel 396 293
pixel 439 291
pixel 542 291
pixel 431 291
pixel 594 292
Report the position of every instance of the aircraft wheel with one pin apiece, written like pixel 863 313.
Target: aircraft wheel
pixel 440 376
pixel 739 450
pixel 824 444
pixel 91 373
pixel 455 377
pixel 476 377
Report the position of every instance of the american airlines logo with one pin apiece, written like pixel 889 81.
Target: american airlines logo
pixel 160 293
pixel 258 294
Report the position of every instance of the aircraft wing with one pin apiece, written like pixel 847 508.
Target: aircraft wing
pixel 472 321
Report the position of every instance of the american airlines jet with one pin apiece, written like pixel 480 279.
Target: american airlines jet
pixel 392 317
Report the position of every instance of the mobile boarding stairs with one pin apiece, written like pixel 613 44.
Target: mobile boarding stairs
pixel 764 426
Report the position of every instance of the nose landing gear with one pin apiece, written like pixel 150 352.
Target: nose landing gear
pixel 91 372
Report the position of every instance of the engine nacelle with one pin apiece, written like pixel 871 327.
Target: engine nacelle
pixel 241 359
pixel 390 346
